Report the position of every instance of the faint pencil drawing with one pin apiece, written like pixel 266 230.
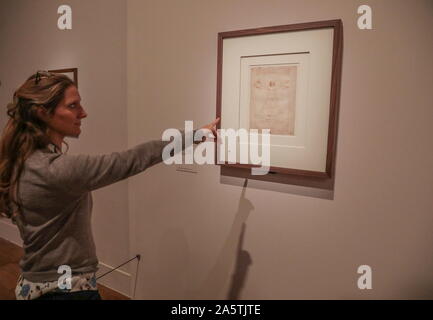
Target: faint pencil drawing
pixel 273 98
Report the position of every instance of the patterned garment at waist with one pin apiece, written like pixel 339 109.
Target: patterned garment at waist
pixel 27 290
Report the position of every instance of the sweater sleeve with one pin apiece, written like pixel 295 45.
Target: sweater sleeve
pixel 83 173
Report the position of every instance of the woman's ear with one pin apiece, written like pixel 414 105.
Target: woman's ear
pixel 42 113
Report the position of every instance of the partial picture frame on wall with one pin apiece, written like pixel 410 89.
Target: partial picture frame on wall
pixel 72 73
pixel 285 79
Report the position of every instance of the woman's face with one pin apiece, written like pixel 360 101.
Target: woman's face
pixel 66 120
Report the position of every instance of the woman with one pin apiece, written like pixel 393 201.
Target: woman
pixel 47 193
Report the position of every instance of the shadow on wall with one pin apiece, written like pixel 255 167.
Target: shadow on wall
pixel 423 290
pixel 215 285
pixel 233 179
pixel 173 263
pixel 243 262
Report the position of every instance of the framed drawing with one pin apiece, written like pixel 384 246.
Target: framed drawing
pixel 72 73
pixel 285 79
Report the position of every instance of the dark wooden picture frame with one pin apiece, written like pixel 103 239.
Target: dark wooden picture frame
pixel 286 175
pixel 74 71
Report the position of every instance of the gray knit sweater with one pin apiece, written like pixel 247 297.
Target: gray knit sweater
pixel 55 196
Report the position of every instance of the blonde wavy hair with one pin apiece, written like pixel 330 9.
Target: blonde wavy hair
pixel 25 132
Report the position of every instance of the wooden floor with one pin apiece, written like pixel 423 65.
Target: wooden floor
pixel 10 255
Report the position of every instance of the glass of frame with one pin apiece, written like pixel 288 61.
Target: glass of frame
pixel 72 73
pixel 286 79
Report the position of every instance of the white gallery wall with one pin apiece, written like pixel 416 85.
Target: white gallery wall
pixel 96 45
pixel 148 65
pixel 295 245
